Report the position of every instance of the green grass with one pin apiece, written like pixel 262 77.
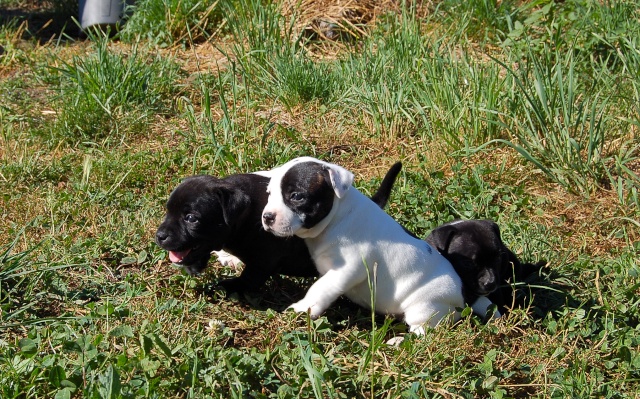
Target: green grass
pixel 110 93
pixel 525 113
pixel 165 23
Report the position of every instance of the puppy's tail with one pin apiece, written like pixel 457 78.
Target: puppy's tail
pixel 381 197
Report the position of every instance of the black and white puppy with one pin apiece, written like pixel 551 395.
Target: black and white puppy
pixel 485 265
pixel 206 214
pixel 359 250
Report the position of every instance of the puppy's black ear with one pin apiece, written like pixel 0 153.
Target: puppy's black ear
pixel 495 228
pixel 235 203
pixel 441 237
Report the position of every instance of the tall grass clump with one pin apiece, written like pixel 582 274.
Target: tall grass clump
pixel 459 100
pixel 169 22
pixel 563 129
pixel 575 92
pixel 376 78
pixel 236 139
pixel 562 124
pixel 108 93
pixel 406 82
pixel 483 20
pixel 273 60
pixel 595 32
pixel 412 85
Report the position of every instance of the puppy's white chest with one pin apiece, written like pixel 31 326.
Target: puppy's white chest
pixel 326 256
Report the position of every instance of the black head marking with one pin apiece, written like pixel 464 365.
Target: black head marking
pixel 307 191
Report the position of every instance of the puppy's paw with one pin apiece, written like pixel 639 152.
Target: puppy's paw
pixel 484 308
pixel 417 329
pixel 226 259
pixel 306 307
pixel 395 341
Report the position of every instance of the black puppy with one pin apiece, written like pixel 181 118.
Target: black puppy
pixel 206 214
pixel 485 265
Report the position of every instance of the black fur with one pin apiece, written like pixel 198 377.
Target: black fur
pixel 307 192
pixel 485 265
pixel 207 214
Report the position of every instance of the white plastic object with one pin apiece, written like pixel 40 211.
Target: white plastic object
pixel 100 12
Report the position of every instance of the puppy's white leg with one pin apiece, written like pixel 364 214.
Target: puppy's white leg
pixel 226 259
pixel 480 307
pixel 324 292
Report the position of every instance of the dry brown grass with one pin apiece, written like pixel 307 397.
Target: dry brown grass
pixel 332 19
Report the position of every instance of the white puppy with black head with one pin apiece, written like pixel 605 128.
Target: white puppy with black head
pixel 351 241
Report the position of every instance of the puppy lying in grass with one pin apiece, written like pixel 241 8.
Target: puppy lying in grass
pixel 485 265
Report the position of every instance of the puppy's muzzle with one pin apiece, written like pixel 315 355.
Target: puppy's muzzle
pixel 487 282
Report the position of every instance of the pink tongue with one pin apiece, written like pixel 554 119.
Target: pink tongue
pixel 178 256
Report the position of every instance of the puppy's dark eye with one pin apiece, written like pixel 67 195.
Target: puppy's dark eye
pixel 190 218
pixel 296 196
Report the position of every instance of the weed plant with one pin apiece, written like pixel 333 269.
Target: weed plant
pixel 259 145
pixel 273 62
pixel 564 126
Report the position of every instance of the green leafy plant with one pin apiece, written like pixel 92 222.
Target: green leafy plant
pixel 24 286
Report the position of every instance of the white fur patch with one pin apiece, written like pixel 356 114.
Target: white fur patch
pixel 226 259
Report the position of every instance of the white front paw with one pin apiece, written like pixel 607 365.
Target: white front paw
pixel 299 307
pixel 304 307
pixel 395 341
pixel 226 259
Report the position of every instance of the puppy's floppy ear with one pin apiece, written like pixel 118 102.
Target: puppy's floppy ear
pixel 441 237
pixel 341 179
pixel 234 203
pixel 494 227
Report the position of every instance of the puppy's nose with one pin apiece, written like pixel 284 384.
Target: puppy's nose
pixel 269 218
pixel 161 236
pixel 487 280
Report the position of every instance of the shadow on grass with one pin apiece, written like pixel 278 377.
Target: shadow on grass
pixel 280 292
pixel 543 294
pixel 41 22
pixel 540 293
